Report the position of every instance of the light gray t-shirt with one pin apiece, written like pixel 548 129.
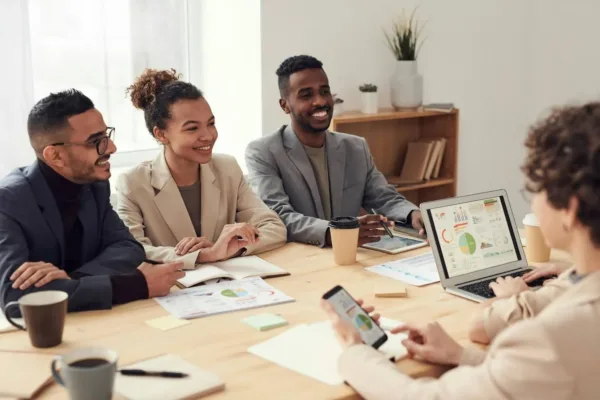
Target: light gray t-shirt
pixel 318 160
pixel 192 199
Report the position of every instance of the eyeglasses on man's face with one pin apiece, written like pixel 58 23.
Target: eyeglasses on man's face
pixel 99 142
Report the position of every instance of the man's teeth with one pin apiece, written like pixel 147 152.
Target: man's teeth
pixel 203 148
pixel 320 114
pixel 103 162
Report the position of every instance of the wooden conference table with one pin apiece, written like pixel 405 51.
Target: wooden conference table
pixel 219 343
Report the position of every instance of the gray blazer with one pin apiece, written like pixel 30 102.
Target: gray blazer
pixel 282 176
pixel 31 230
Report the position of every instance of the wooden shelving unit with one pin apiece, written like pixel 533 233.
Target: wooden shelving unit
pixel 388 133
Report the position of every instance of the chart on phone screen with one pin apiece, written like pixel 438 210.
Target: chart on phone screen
pixel 347 308
pixel 474 236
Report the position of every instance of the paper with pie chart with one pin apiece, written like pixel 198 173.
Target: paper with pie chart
pixel 222 297
pixel 474 236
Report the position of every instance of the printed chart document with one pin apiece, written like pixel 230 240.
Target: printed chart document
pixel 418 270
pixel 236 268
pixel 313 350
pixel 223 297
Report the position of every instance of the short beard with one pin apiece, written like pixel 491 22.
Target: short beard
pixel 306 126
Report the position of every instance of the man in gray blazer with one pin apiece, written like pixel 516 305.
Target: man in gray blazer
pixel 308 174
pixel 58 230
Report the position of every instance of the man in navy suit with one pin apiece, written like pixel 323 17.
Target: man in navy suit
pixel 58 230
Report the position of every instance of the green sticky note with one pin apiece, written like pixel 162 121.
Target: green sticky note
pixel 264 322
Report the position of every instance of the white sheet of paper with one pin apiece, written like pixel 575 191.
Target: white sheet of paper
pixel 6 326
pixel 218 298
pixel 313 350
pixel 417 271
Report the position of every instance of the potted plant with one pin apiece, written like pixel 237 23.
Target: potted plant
pixel 369 98
pixel 405 42
pixel 338 105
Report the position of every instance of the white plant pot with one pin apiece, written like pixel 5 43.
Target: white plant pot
pixel 338 109
pixel 407 85
pixel 369 102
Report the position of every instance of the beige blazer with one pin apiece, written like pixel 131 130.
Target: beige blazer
pixel 505 312
pixel 151 206
pixel 552 356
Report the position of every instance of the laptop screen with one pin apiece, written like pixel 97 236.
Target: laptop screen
pixel 474 236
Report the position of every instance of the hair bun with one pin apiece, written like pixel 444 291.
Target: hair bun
pixel 148 84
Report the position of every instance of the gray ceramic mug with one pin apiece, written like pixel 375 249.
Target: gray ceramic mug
pixel 87 374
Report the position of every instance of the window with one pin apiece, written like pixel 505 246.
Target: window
pixel 99 47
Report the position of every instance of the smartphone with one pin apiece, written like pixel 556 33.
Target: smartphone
pixel 348 309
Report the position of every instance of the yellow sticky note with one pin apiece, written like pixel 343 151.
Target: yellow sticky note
pixel 166 323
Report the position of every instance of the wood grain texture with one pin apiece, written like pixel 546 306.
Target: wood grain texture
pixel 219 343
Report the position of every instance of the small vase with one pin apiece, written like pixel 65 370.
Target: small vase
pixel 369 102
pixel 407 86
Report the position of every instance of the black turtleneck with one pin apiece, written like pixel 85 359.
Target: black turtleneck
pixel 67 194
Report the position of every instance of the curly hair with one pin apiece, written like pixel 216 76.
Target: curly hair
pixel 154 91
pixel 292 65
pixel 563 160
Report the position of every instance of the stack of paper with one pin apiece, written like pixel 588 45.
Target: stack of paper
pixel 218 298
pixel 418 270
pixel 313 350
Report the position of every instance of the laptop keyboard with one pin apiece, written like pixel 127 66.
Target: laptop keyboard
pixel 482 288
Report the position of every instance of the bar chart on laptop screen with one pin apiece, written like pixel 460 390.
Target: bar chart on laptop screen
pixel 474 236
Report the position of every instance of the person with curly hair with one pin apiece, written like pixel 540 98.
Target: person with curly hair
pixel 552 355
pixel 309 175
pixel 189 204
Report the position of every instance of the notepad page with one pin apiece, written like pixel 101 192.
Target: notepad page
pixel 313 350
pixel 250 266
pixel 198 383
pixel 202 274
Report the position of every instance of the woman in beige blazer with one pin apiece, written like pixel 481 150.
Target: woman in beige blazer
pixel 553 355
pixel 189 204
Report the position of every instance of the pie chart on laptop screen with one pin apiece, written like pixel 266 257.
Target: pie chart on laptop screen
pixel 467 244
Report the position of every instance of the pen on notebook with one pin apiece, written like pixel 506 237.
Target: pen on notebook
pixel 162 374
pixel 383 224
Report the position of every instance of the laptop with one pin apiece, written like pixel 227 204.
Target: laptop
pixel 474 240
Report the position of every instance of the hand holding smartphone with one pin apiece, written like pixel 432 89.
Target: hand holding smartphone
pixel 346 307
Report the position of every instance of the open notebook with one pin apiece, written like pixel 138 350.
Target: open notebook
pixel 23 375
pixel 236 268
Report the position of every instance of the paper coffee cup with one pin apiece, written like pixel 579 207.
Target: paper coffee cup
pixel 344 239
pixel 536 250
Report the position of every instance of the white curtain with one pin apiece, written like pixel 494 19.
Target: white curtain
pixel 16 92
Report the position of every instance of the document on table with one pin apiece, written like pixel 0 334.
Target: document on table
pixel 218 298
pixel 313 350
pixel 418 270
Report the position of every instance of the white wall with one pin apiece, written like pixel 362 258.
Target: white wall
pixel 224 45
pixel 16 96
pixel 502 62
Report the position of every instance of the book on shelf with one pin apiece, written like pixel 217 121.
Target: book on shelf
pixel 441 107
pixel 235 268
pixel 423 162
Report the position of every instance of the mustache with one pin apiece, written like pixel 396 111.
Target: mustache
pixel 103 158
pixel 320 109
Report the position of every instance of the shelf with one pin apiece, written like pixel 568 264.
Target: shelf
pixel 428 184
pixel 384 115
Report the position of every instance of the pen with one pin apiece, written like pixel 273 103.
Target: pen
pixel 383 224
pixel 162 374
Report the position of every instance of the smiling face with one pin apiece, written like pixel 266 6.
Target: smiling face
pixel 190 131
pixel 309 100
pixel 79 160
